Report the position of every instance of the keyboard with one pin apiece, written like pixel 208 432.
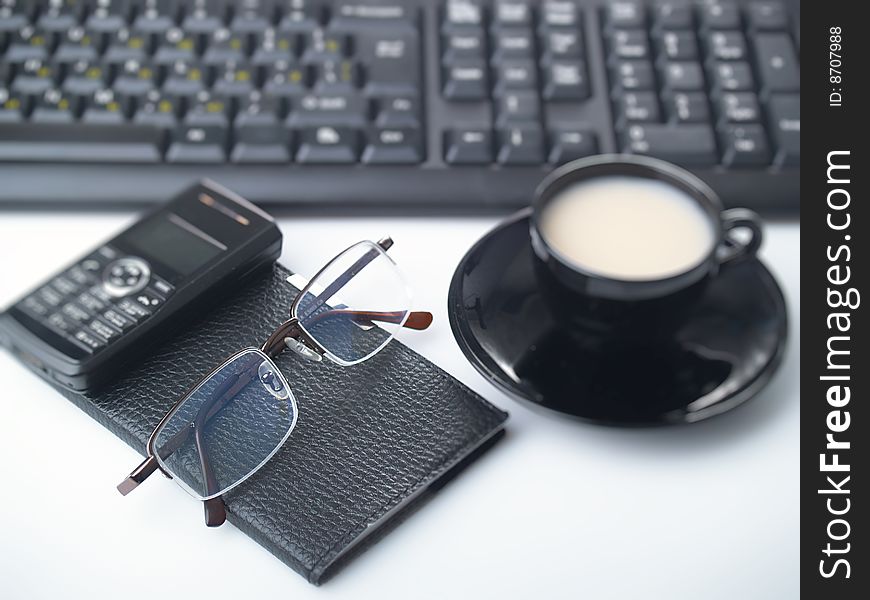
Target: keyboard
pixel 447 106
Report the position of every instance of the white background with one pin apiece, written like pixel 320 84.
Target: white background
pixel 557 509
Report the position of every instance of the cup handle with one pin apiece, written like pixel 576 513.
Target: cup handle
pixel 735 250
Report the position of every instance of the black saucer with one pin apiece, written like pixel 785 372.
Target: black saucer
pixel 725 352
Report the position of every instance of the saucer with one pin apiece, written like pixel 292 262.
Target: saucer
pixel 722 355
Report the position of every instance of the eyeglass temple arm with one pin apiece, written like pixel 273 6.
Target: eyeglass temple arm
pixel 418 320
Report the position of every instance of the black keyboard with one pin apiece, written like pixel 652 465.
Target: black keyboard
pixel 451 105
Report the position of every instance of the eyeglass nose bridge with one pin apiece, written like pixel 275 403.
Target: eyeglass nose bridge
pixel 291 335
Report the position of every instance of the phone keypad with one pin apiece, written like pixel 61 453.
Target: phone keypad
pixel 94 302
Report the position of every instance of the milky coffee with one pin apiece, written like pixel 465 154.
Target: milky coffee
pixel 628 228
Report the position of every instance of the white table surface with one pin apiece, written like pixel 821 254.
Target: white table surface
pixel 557 509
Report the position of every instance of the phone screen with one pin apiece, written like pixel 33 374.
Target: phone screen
pixel 175 242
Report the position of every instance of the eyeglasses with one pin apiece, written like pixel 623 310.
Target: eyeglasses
pixel 238 416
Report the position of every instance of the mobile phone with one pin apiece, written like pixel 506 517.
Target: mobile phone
pixel 80 326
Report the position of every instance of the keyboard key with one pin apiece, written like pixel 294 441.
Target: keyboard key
pixel 560 13
pixel 767 15
pixel 261 139
pixel 35 77
pixel 626 14
pixel 732 76
pixel 102 107
pixel 558 44
pixel 271 45
pixel 468 146
pixel 720 14
pixel 460 46
pixel 398 111
pixel 634 75
pixel 232 79
pixel 678 45
pixel 393 146
pixel 512 13
pixel 338 77
pixel 54 106
pixel 198 143
pixel 157 109
pixel 744 145
pixel 184 78
pixel 84 77
pixel 345 110
pixel 518 107
pixel 286 79
pixel 512 43
pixel 683 76
pixel 672 14
pixel 302 16
pixel 13 106
pixel 353 13
pixel 777 62
pixel 568 145
pixel 515 75
pixel 727 45
pixel 322 44
pixel 638 107
pixel 328 145
pixel 565 80
pixel 521 145
pixel 466 80
pixel 391 59
pixel 682 144
pixel 630 43
pixel 77 44
pixel 739 108
pixel 462 13
pixel 688 107
pixel 784 116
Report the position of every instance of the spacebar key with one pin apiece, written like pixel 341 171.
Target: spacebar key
pixel 74 142
pixel 682 144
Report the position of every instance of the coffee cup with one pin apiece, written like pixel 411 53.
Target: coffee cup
pixel 624 245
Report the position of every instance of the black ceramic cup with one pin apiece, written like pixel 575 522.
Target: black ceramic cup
pixel 597 303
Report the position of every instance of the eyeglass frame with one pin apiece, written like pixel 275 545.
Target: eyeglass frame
pixel 279 340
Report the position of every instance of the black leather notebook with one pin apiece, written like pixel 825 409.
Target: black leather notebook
pixel 370 440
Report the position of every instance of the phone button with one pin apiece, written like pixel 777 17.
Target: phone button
pixel 79 275
pixel 65 286
pixel 75 312
pixel 104 331
pixel 133 310
pixel 49 296
pixel 59 324
pixel 117 319
pixel 148 299
pixel 91 302
pixel 126 276
pixel 34 306
pixel 91 342
pixel 161 287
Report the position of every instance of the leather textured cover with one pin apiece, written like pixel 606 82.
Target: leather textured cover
pixel 369 440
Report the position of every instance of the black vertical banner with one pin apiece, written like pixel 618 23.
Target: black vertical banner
pixel 835 223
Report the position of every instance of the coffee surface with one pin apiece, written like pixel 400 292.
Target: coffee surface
pixel 628 228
